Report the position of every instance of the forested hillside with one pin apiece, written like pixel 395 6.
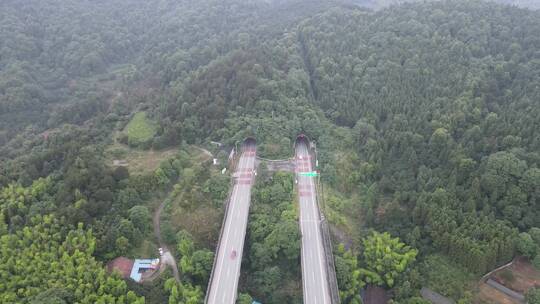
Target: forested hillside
pixel 426 118
pixel 442 104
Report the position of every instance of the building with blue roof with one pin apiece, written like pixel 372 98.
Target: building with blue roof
pixel 141 266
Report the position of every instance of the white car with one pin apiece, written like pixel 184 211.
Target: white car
pixel 160 251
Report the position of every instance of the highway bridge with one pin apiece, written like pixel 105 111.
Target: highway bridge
pixel 223 284
pixel 315 271
pixel 318 272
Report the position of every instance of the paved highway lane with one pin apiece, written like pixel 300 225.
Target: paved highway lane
pixel 222 289
pixel 314 277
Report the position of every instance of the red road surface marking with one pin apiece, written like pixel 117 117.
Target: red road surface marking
pixel 305 193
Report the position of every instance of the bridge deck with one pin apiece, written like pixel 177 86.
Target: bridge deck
pixel 226 272
pixel 314 276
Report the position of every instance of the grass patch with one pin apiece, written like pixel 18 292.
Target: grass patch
pixel 146 161
pixel 138 161
pixel 140 130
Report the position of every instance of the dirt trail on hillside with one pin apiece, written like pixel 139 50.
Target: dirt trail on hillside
pixel 167 258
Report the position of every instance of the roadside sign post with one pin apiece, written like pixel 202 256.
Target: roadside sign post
pixel 311 174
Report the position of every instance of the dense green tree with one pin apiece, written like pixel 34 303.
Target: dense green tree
pixel 185 243
pixel 533 296
pixel 526 245
pixel 122 245
pixel 417 300
pixel 267 281
pixel 140 217
pixel 284 239
pixel 52 296
pixel 273 242
pixel 244 298
pixel 385 258
pixel 52 257
pixel 536 262
pixel 348 275
pixel 424 114
pixel 203 261
pixel 183 293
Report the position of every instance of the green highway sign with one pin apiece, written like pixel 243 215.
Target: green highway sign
pixel 312 173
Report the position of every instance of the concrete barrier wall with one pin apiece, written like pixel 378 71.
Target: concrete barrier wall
pixel 330 267
pixel 327 242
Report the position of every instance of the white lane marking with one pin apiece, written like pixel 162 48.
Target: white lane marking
pixel 303 251
pixel 237 263
pixel 320 255
pixel 244 226
pixel 224 247
pixel 223 252
pixel 314 212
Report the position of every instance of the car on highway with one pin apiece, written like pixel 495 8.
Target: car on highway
pixel 233 254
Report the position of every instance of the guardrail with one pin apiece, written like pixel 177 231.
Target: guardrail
pixel 226 212
pixel 328 248
pixel 330 266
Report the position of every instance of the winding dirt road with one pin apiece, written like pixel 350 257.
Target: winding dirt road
pixel 166 258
